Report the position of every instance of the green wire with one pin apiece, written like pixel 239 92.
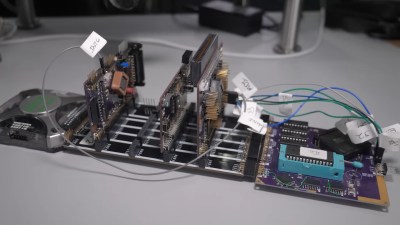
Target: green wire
pixel 316 111
pixel 304 89
pixel 349 108
pixel 328 96
pixel 331 100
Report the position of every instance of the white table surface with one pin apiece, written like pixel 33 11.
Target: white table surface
pixel 63 188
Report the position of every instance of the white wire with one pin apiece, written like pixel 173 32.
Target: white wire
pixel 7 29
pixel 42 38
pixel 101 160
pixel 155 41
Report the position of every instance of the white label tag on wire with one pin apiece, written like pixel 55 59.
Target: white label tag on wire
pixel 243 83
pixel 252 109
pixel 347 124
pixel 395 128
pixel 236 111
pixel 390 141
pixel 354 124
pixel 93 44
pixel 362 134
pixel 256 124
pixel 262 132
pixel 285 109
pixel 341 125
pixel 390 138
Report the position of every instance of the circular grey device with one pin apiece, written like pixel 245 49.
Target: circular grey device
pixel 34 104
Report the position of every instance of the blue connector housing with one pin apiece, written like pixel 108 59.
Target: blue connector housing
pixel 327 165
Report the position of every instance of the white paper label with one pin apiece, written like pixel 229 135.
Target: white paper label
pixel 313 153
pixel 243 83
pixel 341 125
pixel 362 134
pixel 262 132
pixel 93 44
pixel 249 108
pixel 252 109
pixel 348 124
pixel 390 138
pixel 236 111
pixel 256 124
pixel 354 124
pixel 390 141
pixel 395 128
pixel 285 109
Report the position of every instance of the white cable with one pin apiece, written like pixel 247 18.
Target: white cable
pixel 155 41
pixel 42 38
pixel 101 160
pixel 7 29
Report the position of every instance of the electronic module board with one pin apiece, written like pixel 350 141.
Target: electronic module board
pixel 173 107
pixel 109 90
pixel 173 126
pixel 228 157
pixel 113 124
pixel 364 184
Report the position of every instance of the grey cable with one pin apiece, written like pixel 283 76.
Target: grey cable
pixel 9 6
pixel 7 29
pixel 101 160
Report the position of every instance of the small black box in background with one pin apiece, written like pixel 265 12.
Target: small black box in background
pixel 231 18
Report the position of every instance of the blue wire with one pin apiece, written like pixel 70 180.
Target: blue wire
pixel 354 95
pixel 301 106
pixel 313 96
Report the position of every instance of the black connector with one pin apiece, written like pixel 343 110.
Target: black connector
pixel 135 50
pixel 187 56
pixel 378 154
pixel 229 17
pixel 203 57
pixel 232 97
pixel 333 140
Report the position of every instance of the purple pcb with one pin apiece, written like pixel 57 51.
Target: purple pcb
pixel 356 183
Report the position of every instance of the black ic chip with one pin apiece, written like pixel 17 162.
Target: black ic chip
pixel 296 125
pixel 293 153
pixel 294 141
pixel 312 181
pixel 333 140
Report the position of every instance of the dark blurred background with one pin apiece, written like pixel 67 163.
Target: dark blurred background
pixel 103 7
pixel 377 18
